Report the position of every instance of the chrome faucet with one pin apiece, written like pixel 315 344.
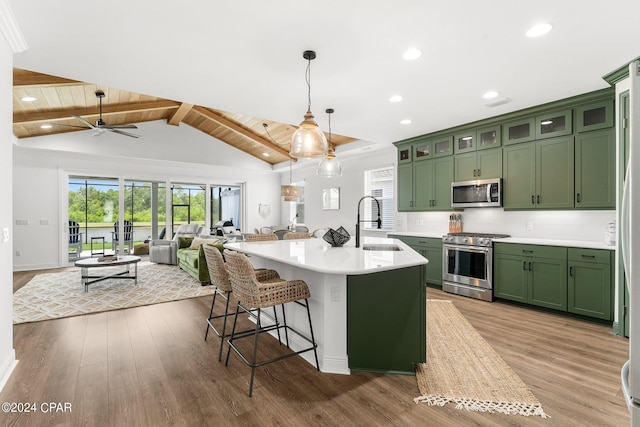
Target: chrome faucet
pixel 379 221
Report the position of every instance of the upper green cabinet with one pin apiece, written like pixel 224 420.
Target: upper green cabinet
pixel 481 164
pixel 480 139
pixel 404 154
pixel 594 116
pixel 433 148
pixel 539 174
pixel 554 123
pixel 520 130
pixel 595 162
pixel 425 185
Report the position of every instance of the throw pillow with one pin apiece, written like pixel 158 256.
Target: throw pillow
pixel 199 241
pixel 184 242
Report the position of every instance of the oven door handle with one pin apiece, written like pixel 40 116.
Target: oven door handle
pixel 467 248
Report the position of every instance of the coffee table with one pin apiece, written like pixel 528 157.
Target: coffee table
pixel 93 263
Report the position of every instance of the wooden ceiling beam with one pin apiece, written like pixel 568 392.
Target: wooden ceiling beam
pixel 179 114
pixel 210 115
pixel 68 113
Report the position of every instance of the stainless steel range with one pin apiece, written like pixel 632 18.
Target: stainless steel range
pixel 467 264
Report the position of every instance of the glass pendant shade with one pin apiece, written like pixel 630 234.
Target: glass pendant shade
pixel 291 193
pixel 308 141
pixel 329 167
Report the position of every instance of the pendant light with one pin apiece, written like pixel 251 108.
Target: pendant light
pixel 291 193
pixel 329 167
pixel 308 141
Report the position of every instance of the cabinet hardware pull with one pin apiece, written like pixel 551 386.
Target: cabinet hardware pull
pixel 529 266
pixel 527 251
pixel 578 198
pixel 588 256
pixel 533 200
pixel 571 271
pixel 538 199
pixel 411 203
pixel 524 265
pixel 478 172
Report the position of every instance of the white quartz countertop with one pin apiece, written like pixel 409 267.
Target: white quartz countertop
pixel 524 240
pixel 317 255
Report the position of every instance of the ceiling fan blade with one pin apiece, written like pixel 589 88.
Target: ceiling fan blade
pixel 69 126
pixel 121 132
pixel 120 126
pixel 91 125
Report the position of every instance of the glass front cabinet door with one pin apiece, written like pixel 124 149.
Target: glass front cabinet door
pixel 517 131
pixel 594 116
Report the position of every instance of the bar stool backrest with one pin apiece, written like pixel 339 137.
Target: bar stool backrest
pixel 260 237
pixel 217 269
pixel 296 235
pixel 243 279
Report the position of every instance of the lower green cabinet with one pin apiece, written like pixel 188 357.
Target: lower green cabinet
pixel 386 328
pixel 521 275
pixel 576 280
pixel 431 249
pixel 590 290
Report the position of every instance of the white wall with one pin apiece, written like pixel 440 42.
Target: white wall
pixel 42 165
pixel 351 185
pixel 7 353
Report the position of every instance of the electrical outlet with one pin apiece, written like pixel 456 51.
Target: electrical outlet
pixel 529 225
pixel 421 222
pixel 18 253
pixel 5 234
pixel 335 294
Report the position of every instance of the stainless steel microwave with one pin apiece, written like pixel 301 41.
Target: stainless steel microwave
pixel 479 193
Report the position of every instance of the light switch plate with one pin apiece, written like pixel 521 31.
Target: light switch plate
pixel 5 234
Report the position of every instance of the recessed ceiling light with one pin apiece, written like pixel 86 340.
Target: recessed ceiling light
pixel 28 98
pixel 491 94
pixel 395 98
pixel 405 122
pixel 265 154
pixel 539 29
pixel 411 54
pixel 46 127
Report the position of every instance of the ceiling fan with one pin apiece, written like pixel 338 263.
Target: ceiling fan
pixel 100 127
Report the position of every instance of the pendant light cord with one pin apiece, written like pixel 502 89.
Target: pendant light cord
pixel 308 79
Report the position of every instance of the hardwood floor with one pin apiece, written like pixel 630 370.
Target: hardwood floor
pixel 150 366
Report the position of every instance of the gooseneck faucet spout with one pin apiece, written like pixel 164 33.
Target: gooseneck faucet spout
pixel 378 221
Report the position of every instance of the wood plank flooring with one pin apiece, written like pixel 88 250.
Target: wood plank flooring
pixel 150 366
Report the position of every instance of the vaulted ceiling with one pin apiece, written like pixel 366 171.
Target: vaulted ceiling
pixel 58 100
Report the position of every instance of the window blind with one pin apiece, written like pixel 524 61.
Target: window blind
pixel 379 183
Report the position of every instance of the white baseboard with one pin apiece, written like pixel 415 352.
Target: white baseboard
pixel 7 368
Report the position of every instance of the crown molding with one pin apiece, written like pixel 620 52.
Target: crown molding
pixel 10 29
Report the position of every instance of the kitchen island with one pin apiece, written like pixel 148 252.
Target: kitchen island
pixel 368 307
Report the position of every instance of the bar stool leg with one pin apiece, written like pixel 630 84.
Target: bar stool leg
pixel 255 354
pixel 284 319
pixel 215 293
pixel 224 326
pixel 233 331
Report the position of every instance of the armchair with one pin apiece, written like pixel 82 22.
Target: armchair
pixel 166 251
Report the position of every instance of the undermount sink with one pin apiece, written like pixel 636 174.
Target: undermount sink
pixel 381 247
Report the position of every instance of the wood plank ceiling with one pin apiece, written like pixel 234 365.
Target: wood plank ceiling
pixel 59 99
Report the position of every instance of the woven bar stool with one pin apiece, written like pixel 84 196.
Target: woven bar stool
pixel 220 279
pixel 260 237
pixel 252 294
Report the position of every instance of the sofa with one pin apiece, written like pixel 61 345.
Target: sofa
pixel 191 258
pixel 166 251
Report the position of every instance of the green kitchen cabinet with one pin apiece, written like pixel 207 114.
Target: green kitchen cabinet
pixel 589 282
pixel 539 174
pixel 480 139
pixel 405 187
pixel 595 163
pixel 386 328
pixel 431 249
pixel 518 131
pixel 595 115
pixel 429 149
pixel 404 154
pixel 531 274
pixel 425 185
pixel 482 164
pixel 554 123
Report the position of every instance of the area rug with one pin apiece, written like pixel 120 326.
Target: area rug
pixel 462 368
pixel 56 295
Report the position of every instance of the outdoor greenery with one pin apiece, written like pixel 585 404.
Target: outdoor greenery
pixel 98 204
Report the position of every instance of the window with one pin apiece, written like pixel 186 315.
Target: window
pixel 225 205
pixel 296 209
pixel 379 184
